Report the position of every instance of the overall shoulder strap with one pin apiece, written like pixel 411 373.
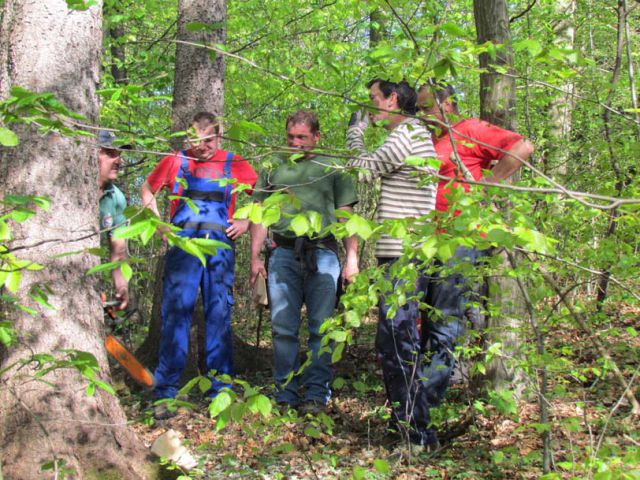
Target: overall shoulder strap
pixel 227 164
pixel 182 171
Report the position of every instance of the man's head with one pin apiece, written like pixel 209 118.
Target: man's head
pixel 303 130
pixel 437 100
pixel 109 159
pixel 206 142
pixel 393 100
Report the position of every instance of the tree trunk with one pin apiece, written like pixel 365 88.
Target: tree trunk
pixel 497 91
pixel 199 74
pixel 563 101
pixel 48 48
pixel 497 106
pixel 117 50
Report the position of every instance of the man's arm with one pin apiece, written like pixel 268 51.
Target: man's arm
pixel 258 236
pixel 400 144
pixel 510 162
pixel 148 198
pixel 351 268
pixel 118 252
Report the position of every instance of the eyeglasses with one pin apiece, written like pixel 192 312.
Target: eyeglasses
pixel 111 152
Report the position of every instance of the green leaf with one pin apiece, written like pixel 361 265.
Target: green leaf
pixel 453 29
pixel 381 466
pixel 12 281
pixel 126 270
pixel 300 225
pixel 357 225
pixel 263 404
pixel 5 231
pixel 359 473
pixel 103 267
pixel 312 432
pixel 132 230
pixel 339 383
pixel 8 138
pixel 219 404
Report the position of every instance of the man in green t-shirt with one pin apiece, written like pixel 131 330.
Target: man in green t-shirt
pixel 303 269
pixel 112 205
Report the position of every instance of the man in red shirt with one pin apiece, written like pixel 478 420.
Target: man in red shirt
pixel 206 175
pixel 480 146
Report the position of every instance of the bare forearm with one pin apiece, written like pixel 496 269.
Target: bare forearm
pixel 148 198
pixel 258 236
pixel 511 161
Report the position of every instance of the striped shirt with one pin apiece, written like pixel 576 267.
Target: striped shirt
pixel 400 195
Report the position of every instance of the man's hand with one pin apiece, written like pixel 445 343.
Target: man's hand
pixel 359 119
pixel 350 270
pixel 257 267
pixel 238 227
pixel 123 297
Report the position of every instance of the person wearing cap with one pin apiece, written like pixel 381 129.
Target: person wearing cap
pixel 203 176
pixel 112 205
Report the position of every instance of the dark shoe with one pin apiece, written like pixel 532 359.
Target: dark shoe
pixel 162 411
pixel 312 407
pixel 285 408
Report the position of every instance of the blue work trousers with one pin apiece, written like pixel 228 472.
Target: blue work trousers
pixel 290 285
pixel 184 274
pixel 416 380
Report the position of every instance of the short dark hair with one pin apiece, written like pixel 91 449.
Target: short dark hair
pixel 305 117
pixel 442 90
pixel 406 94
pixel 204 118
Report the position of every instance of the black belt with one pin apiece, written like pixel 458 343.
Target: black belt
pixel 202 195
pixel 202 226
pixel 305 248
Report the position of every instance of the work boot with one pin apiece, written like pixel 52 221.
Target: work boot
pixel 312 407
pixel 162 411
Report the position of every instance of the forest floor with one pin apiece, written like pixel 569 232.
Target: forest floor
pixel 485 438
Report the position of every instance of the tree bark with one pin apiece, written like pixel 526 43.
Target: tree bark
pixel 562 103
pixel 46 47
pixel 497 91
pixel 497 106
pixel 199 74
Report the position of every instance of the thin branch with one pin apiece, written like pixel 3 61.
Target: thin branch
pixel 405 27
pixel 524 12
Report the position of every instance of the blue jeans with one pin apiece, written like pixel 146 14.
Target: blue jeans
pixel 290 285
pixel 416 380
pixel 184 274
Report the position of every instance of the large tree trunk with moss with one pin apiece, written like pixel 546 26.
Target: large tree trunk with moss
pixel 497 106
pixel 46 47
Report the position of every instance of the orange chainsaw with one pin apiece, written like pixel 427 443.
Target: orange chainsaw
pixel 120 353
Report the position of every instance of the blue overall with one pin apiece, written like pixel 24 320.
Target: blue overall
pixel 184 274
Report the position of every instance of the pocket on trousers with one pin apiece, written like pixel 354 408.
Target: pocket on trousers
pixel 230 300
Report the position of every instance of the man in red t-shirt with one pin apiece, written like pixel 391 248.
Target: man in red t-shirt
pixel 480 146
pixel 206 175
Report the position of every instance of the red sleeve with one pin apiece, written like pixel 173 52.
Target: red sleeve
pixel 164 174
pixel 498 139
pixel 243 172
